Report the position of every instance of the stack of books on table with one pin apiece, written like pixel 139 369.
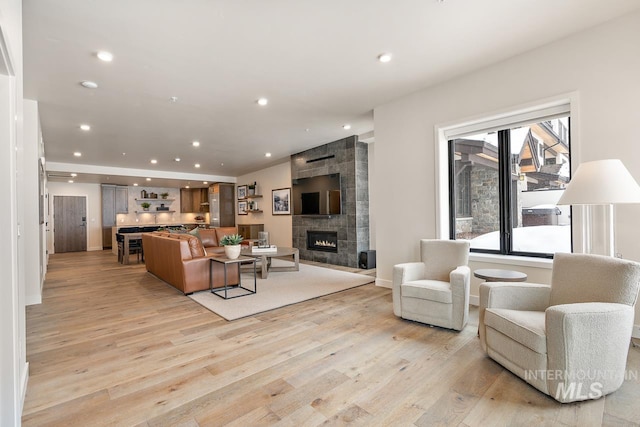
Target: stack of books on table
pixel 264 249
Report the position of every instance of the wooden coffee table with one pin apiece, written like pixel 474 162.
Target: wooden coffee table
pixel 265 259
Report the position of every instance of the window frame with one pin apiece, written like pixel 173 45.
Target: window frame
pixel 563 105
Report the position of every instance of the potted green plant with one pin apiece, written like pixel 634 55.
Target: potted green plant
pixel 231 243
pixel 164 195
pixel 145 205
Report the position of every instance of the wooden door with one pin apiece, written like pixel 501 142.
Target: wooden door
pixel 69 224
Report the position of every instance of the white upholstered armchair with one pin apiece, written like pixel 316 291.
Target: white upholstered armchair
pixel 436 290
pixel 569 340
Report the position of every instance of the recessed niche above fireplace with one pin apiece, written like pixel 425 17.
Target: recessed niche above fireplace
pixel 326 241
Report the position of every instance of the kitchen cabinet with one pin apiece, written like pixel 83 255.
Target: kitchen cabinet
pixel 194 200
pixel 250 231
pixel 122 199
pixel 115 200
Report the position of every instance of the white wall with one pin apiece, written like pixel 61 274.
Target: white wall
pixel 272 178
pixel 94 211
pixel 601 64
pixel 33 230
pixel 13 365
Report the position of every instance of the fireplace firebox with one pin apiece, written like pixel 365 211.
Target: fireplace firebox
pixel 326 241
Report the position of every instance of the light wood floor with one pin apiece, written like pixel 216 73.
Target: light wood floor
pixel 112 345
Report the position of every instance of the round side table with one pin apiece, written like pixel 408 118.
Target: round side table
pixel 497 275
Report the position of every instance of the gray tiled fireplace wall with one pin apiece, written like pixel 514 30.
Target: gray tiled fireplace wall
pixel 351 162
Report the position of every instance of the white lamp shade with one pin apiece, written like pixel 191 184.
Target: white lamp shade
pixel 601 182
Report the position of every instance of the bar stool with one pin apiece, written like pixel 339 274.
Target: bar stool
pixel 135 245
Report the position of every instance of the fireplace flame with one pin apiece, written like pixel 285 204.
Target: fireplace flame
pixel 325 244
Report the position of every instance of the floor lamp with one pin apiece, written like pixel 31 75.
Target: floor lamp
pixel 597 186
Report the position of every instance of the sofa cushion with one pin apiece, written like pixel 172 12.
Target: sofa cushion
pixel 215 250
pixel 195 246
pixel 225 231
pixel 208 237
pixel 524 327
pixel 433 290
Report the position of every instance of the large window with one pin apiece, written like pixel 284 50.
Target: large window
pixel 504 185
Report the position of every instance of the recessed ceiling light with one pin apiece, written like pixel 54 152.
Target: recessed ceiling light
pixel 346 127
pixel 384 57
pixel 177 159
pixel 267 154
pixel 221 164
pixel 124 154
pixel 205 182
pixel 89 84
pixel 186 186
pixel 73 175
pixel 173 99
pixel 196 143
pixel 307 130
pixel 154 161
pixel 85 127
pixel 105 56
pixel 135 184
pixel 148 179
pixel 77 154
pixel 262 101
pixel 70 181
pixel 197 165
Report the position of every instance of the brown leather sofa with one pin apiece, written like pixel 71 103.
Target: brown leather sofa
pixel 210 238
pixel 180 260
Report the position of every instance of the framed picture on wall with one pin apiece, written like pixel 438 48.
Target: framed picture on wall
pixel 242 208
pixel 242 192
pixel 281 201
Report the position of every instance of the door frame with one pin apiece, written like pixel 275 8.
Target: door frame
pixel 51 231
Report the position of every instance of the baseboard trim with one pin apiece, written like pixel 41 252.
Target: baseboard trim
pixel 23 383
pixel 94 248
pixel 33 299
pixel 384 283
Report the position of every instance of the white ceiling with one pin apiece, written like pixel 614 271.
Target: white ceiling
pixel 316 62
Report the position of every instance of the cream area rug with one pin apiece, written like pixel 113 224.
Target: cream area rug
pixel 281 289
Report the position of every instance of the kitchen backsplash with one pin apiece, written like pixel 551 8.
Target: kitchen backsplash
pixel 137 215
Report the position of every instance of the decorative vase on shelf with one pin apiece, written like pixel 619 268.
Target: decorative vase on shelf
pixel 232 251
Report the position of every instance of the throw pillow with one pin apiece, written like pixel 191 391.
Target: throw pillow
pixel 196 232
